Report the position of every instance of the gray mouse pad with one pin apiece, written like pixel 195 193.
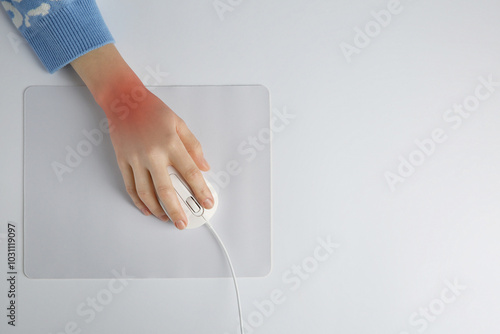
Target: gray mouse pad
pixel 79 221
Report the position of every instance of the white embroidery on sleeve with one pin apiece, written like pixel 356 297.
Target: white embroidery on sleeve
pixel 17 17
pixel 42 10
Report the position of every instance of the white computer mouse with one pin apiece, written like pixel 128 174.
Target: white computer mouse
pixel 196 214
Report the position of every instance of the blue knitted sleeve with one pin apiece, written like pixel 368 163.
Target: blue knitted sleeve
pixel 59 31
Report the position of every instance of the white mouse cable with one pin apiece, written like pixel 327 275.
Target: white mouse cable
pixel 232 272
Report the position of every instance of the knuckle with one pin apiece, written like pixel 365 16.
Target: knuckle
pixel 153 153
pixel 131 190
pixel 159 213
pixel 195 147
pixel 205 192
pixel 174 209
pixel 138 205
pixel 176 215
pixel 165 191
pixel 192 173
pixel 135 161
pixel 122 163
pixel 172 144
pixel 144 193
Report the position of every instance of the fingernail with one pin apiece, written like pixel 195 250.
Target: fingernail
pixel 164 218
pixel 180 224
pixel 208 203
pixel 146 212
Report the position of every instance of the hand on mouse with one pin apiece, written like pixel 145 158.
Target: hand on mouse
pixel 146 134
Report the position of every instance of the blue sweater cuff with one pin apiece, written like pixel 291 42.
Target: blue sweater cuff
pixel 68 33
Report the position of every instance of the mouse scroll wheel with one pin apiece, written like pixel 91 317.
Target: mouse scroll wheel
pixel 193 205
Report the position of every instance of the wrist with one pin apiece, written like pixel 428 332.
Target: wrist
pixel 121 98
pixel 108 77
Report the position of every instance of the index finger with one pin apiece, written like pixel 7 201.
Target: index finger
pixel 167 196
pixel 183 162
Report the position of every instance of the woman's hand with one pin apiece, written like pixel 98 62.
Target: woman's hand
pixel 147 136
pixel 147 140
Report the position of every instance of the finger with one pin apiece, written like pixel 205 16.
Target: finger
pixel 188 169
pixel 168 195
pixel 146 192
pixel 192 145
pixel 128 179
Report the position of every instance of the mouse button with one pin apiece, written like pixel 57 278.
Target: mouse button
pixel 193 205
pixel 179 186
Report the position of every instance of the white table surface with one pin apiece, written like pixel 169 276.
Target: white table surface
pixel 398 250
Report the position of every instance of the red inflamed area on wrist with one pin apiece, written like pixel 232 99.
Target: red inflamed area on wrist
pixel 125 98
pixel 113 84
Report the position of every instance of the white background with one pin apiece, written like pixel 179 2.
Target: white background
pixel 353 120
